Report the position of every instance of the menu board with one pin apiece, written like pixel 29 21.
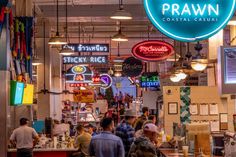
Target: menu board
pixel 149 80
pixel 230 65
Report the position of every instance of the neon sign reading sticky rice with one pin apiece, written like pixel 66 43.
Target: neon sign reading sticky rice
pixel 189 20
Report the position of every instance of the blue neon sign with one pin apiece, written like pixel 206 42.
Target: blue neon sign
pixel 189 20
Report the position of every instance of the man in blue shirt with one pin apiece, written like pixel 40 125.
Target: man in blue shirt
pixel 106 144
pixel 125 130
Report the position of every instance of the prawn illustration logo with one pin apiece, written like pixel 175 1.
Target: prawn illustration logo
pixel 189 20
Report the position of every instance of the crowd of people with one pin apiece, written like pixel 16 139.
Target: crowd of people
pixel 132 137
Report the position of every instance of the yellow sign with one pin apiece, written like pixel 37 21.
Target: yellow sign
pixel 84 96
pixel 79 69
pixel 118 85
pixel 28 95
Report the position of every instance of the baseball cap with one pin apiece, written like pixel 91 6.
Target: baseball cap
pixel 150 127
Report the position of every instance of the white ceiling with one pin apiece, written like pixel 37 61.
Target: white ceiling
pixel 95 25
pixel 86 2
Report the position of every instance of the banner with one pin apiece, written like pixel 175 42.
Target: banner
pixel 28 95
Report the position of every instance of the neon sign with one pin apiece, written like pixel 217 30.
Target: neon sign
pixel 88 47
pixel 149 80
pixel 153 50
pixel 79 75
pixel 106 81
pixel 102 59
pixel 78 69
pixel 82 76
pixel 132 67
pixel 189 20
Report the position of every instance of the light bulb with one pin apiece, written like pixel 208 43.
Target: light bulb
pixel 198 66
pixel 174 78
pixel 180 74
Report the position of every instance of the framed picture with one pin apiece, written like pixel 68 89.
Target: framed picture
pixel 172 108
pixel 194 109
pixel 223 121
pixel 213 109
pixel 223 117
pixel 204 109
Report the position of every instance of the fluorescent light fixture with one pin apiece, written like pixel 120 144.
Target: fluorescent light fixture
pixel 121 14
pixel 36 62
pixel 119 37
pixel 118 60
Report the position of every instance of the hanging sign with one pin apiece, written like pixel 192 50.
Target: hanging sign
pixel 78 75
pixel 82 76
pixel 189 20
pixel 150 79
pixel 88 47
pixel 153 50
pixel 84 96
pixel 103 80
pixel 85 59
pixel 132 67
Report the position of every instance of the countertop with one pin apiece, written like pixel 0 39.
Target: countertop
pixel 49 150
pixel 174 153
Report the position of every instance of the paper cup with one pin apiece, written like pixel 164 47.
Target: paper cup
pixel 185 150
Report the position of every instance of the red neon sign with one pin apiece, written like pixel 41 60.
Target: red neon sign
pixel 78 84
pixel 153 50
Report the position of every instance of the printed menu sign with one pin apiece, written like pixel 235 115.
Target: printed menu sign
pixel 230 65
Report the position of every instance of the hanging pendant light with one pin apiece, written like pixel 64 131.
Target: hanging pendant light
pixel 199 63
pixel 174 78
pixel 57 39
pixel 119 37
pixel 66 50
pixel 121 13
pixel 180 74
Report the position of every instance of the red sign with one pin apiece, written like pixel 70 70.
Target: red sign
pixel 153 50
pixel 78 84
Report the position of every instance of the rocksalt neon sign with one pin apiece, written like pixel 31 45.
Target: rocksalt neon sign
pixel 189 20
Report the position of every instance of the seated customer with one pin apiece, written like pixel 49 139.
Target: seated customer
pixel 82 141
pixel 143 146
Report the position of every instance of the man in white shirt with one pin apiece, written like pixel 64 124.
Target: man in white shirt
pixel 24 138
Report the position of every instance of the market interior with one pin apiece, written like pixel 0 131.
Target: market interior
pixel 71 69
